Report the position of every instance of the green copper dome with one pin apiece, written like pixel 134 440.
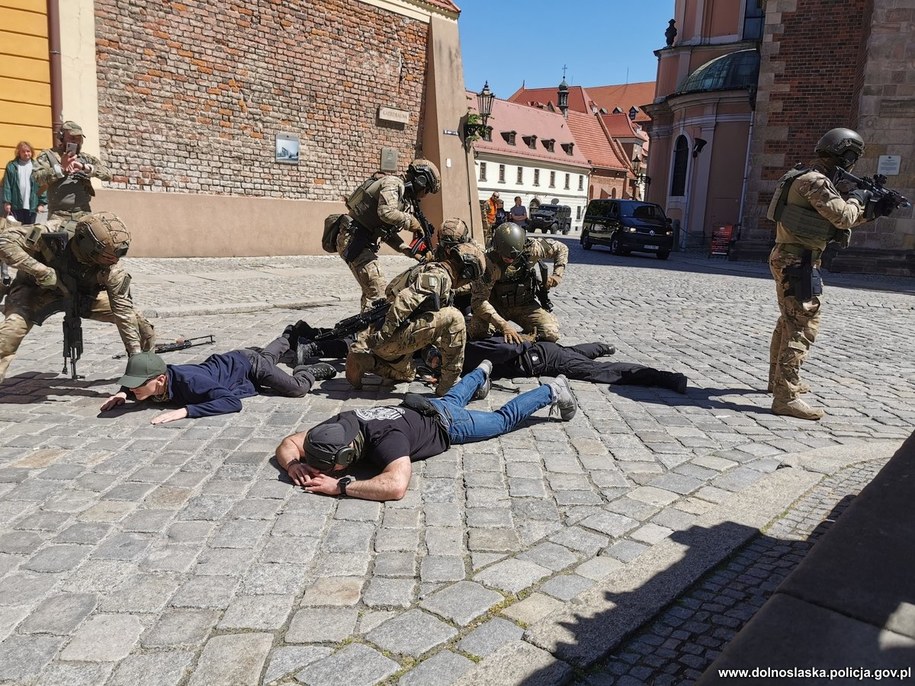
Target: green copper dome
pixel 734 71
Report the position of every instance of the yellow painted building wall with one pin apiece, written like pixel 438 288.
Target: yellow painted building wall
pixel 25 77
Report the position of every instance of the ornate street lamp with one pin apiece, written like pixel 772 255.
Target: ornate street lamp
pixel 475 124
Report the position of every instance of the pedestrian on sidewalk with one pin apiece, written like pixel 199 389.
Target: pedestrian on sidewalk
pixel 21 196
pixel 392 438
pixel 217 385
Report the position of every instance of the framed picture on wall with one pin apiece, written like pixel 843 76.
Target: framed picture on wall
pixel 287 148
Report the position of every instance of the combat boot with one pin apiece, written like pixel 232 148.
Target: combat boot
pixel 564 401
pixel 485 387
pixel 305 350
pixel 357 364
pixel 605 350
pixel 319 372
pixel 802 387
pixel 796 408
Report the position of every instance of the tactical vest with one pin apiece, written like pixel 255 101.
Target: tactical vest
pixel 517 287
pixel 405 279
pixel 82 280
pixel 801 220
pixel 363 204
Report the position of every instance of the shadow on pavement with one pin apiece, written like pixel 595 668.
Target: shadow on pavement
pixel 29 387
pixel 695 396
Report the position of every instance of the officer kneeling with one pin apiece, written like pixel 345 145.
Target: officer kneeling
pixel 53 266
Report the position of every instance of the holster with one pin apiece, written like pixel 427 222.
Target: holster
pixel 532 362
pixel 804 281
pixel 360 238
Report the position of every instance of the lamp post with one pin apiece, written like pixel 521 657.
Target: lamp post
pixel 640 178
pixel 477 129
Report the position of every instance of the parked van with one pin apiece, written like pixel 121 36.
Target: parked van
pixel 627 225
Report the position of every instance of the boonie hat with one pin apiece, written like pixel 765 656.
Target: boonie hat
pixel 141 368
pixel 72 128
pixel 327 444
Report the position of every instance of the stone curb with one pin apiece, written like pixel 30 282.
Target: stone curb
pixel 243 307
pixel 584 630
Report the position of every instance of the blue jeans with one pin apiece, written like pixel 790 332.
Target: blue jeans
pixel 467 426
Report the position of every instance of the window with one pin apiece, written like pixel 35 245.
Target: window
pixel 501 173
pixel 482 171
pixel 568 147
pixel 568 176
pixel 552 179
pixel 754 20
pixel 530 141
pixel 581 182
pixel 509 137
pixel 520 178
pixel 578 213
pixel 549 144
pixel 681 161
pixel 536 177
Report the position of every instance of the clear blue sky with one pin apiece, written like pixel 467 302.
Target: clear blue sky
pixel 510 41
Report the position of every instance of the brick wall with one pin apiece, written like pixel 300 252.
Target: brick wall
pixel 191 97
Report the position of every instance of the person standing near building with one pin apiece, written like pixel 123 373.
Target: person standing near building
pixel 518 213
pixel 380 208
pixel 809 213
pixel 21 196
pixel 65 173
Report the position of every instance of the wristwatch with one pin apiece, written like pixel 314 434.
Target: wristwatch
pixel 343 482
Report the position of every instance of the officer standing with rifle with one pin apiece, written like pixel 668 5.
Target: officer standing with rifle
pixel 810 212
pixel 379 209
pixel 514 288
pixel 77 274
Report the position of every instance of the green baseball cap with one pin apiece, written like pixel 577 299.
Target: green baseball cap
pixel 141 368
pixel 72 128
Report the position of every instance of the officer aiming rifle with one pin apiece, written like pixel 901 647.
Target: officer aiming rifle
pixel 882 200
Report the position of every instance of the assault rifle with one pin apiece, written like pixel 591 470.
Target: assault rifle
pixel 180 344
pixel 541 276
pixel 876 184
pixel 358 322
pixel 421 244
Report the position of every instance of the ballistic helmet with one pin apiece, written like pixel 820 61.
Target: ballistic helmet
pixel 424 176
pixel 101 237
pixel 842 146
pixel 453 232
pixel 508 240
pixel 469 260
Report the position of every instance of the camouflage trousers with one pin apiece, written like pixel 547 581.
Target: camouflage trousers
pixel 393 358
pixel 794 332
pixel 533 319
pixel 365 268
pixel 24 301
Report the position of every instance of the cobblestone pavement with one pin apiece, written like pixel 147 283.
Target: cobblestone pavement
pixel 172 555
pixel 678 646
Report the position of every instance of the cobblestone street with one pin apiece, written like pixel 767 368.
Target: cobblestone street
pixel 177 554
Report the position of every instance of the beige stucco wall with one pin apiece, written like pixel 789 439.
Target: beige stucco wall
pixel 79 85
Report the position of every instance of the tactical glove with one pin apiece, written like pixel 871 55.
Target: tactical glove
pixel 884 206
pixel 552 281
pixel 47 278
pixel 861 195
pixel 510 334
pixel 415 226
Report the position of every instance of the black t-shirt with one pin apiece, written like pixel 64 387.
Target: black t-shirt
pixel 392 432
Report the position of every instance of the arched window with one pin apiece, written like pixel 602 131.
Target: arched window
pixel 681 162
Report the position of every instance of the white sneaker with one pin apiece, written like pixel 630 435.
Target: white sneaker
pixel 485 387
pixel 564 401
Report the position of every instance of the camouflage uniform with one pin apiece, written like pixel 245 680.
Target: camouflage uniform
pixel 358 244
pixel 495 302
pixel 69 195
pixel 388 351
pixel 104 292
pixel 799 321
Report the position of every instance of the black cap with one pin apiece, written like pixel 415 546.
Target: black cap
pixel 327 445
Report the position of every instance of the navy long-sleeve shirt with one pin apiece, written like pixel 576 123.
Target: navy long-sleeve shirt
pixel 216 386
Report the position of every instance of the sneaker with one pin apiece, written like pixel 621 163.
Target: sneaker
pixel 606 350
pixel 320 371
pixel 796 408
pixel 564 401
pixel 485 387
pixel 305 351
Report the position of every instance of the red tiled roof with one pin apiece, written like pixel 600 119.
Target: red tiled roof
pixel 527 121
pixel 595 144
pixel 582 99
pixel 621 126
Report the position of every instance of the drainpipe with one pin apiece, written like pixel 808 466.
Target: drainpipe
pixel 746 174
pixel 54 59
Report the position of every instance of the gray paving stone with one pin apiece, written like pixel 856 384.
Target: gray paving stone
pixel 242 533
pixel 566 586
pixel 532 609
pixel 550 555
pixel 650 533
pixel 489 517
pixel 57 558
pixel 442 540
pixel 512 575
pixel 358 510
pixel 343 564
pixel 413 633
pixel 579 539
pixel 104 638
pixel 348 537
pixel 26 587
pixel 273 579
pixel 598 568
pixel 76 674
pixel 337 591
pixel 206 592
pixel 284 661
pixel 232 660
pixel 626 551
pixel 387 592
pixel 224 561
pixel 517 663
pixel 257 612
pixel 23 657
pixel 296 551
pixel 59 614
pixel 180 628
pixel 462 602
pixel 493 540
pixel 490 636
pixel 396 540
pixel 355 665
pixel 395 564
pixel 126 546
pixel 324 625
pixel 609 523
pixel 441 669
pixel 22 542
pixel 442 568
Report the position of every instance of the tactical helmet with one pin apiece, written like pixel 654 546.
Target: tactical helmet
pixel 508 240
pixel 470 261
pixel 843 146
pixel 453 232
pixel 101 237
pixel 424 176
